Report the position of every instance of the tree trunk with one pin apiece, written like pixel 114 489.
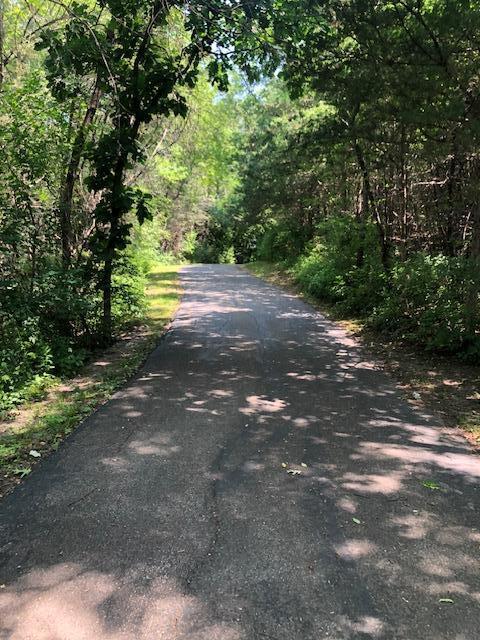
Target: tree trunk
pixel 107 324
pixel 107 328
pixel 404 194
pixel 360 209
pixel 452 196
pixel 473 311
pixel 71 177
pixel 129 126
pixel 371 208
pixel 2 41
pixel 116 213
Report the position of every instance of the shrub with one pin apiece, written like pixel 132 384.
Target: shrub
pixel 190 248
pixel 128 292
pixel 426 303
pixel 425 300
pixel 227 256
pixel 24 354
pixel 280 241
pixel 49 326
pixel 329 270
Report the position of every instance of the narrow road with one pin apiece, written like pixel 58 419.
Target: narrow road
pixel 169 514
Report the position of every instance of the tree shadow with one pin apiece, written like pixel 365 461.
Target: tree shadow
pixel 259 478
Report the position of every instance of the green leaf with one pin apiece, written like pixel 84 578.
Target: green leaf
pixel 22 471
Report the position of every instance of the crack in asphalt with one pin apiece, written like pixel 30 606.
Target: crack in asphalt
pixel 211 508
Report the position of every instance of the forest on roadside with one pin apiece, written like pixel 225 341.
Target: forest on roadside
pixel 338 138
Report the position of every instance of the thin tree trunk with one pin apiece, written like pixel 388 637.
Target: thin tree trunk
pixel 107 324
pixel 404 194
pixel 473 311
pixel 71 177
pixel 449 239
pixel 2 42
pixel 115 219
pixel 360 209
pixel 371 207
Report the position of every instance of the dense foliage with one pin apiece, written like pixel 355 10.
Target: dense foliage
pixel 108 160
pixel 360 162
pixel 349 151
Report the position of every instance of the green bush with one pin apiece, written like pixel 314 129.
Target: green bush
pixel 190 247
pixel 227 256
pixel 422 300
pixel 426 303
pixel 24 353
pixel 329 269
pixel 49 326
pixel 280 241
pixel 128 292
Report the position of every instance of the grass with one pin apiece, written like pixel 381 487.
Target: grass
pixel 446 386
pixel 39 427
pixel 163 293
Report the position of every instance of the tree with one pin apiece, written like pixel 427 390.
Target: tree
pixel 134 65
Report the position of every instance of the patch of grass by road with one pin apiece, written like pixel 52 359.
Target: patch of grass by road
pixel 37 428
pixel 443 385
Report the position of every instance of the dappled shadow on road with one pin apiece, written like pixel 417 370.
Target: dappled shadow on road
pixel 260 478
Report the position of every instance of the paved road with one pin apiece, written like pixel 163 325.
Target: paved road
pixel 169 515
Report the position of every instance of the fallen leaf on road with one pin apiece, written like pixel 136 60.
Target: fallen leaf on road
pixel 22 471
pixel 356 520
pixel 446 600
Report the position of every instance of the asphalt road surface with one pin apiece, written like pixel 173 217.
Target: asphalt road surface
pixel 170 514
